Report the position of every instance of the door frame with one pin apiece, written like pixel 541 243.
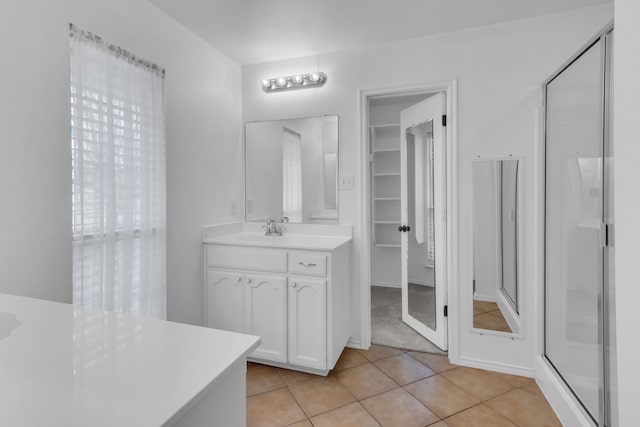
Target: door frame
pixel 450 88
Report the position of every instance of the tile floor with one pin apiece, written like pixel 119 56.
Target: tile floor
pixel 385 386
pixel 487 315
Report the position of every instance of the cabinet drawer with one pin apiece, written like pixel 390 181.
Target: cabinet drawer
pixel 246 258
pixel 310 265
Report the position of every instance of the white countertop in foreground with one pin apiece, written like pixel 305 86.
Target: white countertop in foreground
pixel 64 366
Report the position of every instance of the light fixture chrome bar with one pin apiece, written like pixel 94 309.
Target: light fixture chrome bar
pixel 298 81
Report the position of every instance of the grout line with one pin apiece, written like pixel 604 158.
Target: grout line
pixel 370 414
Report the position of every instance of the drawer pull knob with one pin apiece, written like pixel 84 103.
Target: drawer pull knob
pixel 248 280
pixel 307 264
pixel 294 284
pixel 239 279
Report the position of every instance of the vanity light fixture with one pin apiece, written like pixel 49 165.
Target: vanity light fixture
pixel 298 81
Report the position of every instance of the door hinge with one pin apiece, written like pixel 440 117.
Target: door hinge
pixel 446 311
pixel 444 120
pixel 605 237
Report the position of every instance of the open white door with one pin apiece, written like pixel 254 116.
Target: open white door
pixel 422 215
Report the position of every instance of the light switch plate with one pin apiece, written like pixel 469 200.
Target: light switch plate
pixel 346 182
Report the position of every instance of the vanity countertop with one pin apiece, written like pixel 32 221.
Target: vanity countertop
pixel 286 241
pixel 65 366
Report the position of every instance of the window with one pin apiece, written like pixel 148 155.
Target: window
pixel 118 179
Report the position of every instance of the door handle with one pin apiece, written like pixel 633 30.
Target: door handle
pixel 404 228
pixel 307 264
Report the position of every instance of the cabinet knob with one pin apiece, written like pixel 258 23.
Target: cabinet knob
pixel 294 284
pixel 248 280
pixel 239 279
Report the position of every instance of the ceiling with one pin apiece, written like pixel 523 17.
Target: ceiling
pixel 254 31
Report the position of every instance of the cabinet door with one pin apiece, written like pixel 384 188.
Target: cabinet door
pixel 308 322
pixel 225 300
pixel 266 314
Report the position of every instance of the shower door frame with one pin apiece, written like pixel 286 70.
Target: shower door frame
pixel 604 419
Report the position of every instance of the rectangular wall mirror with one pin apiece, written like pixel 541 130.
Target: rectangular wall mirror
pixel 291 170
pixel 496 217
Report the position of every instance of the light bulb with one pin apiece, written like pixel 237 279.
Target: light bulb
pixel 282 82
pixel 297 79
pixel 315 77
pixel 266 83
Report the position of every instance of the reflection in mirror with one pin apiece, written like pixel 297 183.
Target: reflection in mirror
pixel 496 297
pixel 421 244
pixel 291 170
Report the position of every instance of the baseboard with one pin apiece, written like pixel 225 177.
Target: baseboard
pixel 485 298
pixel 421 283
pixel 386 284
pixel 565 405
pixel 355 344
pixel 496 367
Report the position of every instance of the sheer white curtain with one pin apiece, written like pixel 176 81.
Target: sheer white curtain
pixel 429 200
pixel 291 175
pixel 118 179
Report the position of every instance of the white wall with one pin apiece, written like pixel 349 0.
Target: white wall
pixel 203 132
pixel 500 70
pixel 626 111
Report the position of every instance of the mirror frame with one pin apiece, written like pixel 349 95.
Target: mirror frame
pixel 522 312
pixel 244 164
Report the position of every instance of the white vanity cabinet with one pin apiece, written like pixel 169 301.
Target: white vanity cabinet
pixel 296 300
pixel 225 300
pixel 307 322
pixel 265 314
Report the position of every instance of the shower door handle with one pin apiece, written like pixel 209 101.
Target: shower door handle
pixel 404 228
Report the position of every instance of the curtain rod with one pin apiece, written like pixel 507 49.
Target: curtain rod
pixel 286 129
pixel 75 31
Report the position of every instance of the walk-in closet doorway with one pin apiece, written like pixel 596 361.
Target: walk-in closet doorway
pixel 407 198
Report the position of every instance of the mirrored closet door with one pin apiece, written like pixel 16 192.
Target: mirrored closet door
pixel 578 227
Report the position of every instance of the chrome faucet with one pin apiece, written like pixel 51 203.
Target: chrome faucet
pixel 272 228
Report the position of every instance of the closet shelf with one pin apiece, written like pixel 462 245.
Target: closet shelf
pixel 386 150
pixel 386 174
pixel 387 245
pixel 386 198
pixel 388 125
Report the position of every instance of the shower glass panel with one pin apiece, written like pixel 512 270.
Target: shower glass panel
pixel 573 226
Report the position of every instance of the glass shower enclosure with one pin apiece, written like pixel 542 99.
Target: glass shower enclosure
pixel 579 226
